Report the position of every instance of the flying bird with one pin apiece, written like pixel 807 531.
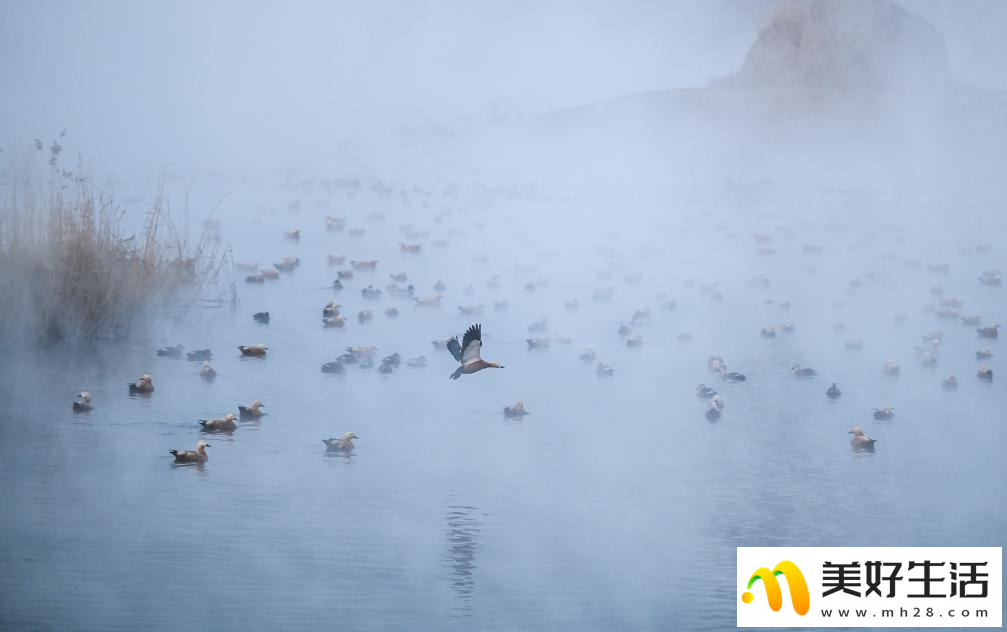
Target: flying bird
pixel 467 353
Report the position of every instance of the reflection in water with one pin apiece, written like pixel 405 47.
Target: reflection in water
pixel 462 536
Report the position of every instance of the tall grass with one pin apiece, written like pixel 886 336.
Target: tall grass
pixel 70 272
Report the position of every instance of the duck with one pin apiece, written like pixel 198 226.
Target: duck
pixel 885 412
pixel 538 343
pixel 990 277
pixel 370 292
pixel 393 360
pixel 587 355
pixel 171 352
pixel 928 359
pixel 400 292
pixel 192 456
pixel 501 305
pixel 517 411
pixel 252 411
pixel 604 370
pixel 365 316
pixel 144 384
pixel 334 321
pixel 860 441
pixel 365 265
pixel 336 260
pixel 800 371
pixel 334 367
pixel 391 312
pixel 261 317
pixel 624 330
pixel 732 376
pixel 342 444
pixel 399 277
pixel 83 403
pixel 833 392
pixel 337 285
pixel 787 327
pixel 294 235
pixel 984 354
pixel 985 374
pixel 470 310
pixel 417 363
pixel 705 392
pixel 255 278
pixel 714 408
pixel 410 248
pixel 972 320
pixel 288 264
pixel 363 351
pixel 540 326
pixel 199 355
pixel 768 332
pixel 950 384
pixel 270 275
pixel 224 424
pixel 854 345
pixel 715 364
pixel 331 309
pixel 428 301
pixel 468 353
pixel 345 275
pixel 988 332
pixel 634 341
pixel 207 372
pixel 439 286
pixel 890 368
pixel 258 350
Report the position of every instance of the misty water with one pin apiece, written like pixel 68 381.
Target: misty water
pixel 615 504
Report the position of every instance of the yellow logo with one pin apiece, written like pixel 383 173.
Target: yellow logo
pixel 795 581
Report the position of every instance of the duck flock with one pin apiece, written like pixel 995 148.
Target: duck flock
pixel 355 282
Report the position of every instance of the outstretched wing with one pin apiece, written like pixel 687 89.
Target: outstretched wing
pixel 455 348
pixel 472 344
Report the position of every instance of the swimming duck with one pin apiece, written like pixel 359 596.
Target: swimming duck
pixel 207 372
pixel 348 358
pixel 393 360
pixel 516 411
pixel 800 371
pixel 470 310
pixel 468 353
pixel 538 343
pixel 399 277
pixel 890 368
pixel 258 350
pixel 270 275
pixel 255 278
pixel 225 424
pixel 833 392
pixel 331 309
pixel 854 345
pixel 261 317
pixel 624 330
pixel 345 275
pixel 428 301
pixel 715 364
pixel 410 248
pixel 192 456
pixel 334 321
pixel 972 320
pixel 334 224
pixel 588 355
pixel 406 292
pixel 705 392
pixel 714 408
pixel 199 355
pixel 171 352
pixel 634 341
pixel 985 374
pixel 342 444
pixel 604 370
pixel 145 384
pixel 336 260
pixel 288 264
pixel 334 367
pixel 732 376
pixel 540 326
pixel 247 267
pixel 363 351
pixel 365 316
pixel 337 285
pixel 860 441
pixel 439 286
pixel 252 411
pixel 371 292
pixel 950 384
pixel 885 412
pixel 988 332
pixel 83 403
pixel 365 265
pixel 990 277
pixel 928 359
pixel 294 235
pixel 768 332
pixel 984 354
pixel 417 363
pixel 391 312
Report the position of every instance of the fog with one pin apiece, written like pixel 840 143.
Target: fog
pixel 634 200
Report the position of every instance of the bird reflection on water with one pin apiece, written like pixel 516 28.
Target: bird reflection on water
pixel 462 536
